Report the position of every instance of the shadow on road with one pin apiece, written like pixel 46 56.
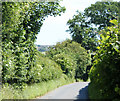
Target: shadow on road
pixel 83 94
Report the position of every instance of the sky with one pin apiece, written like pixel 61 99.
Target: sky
pixel 54 28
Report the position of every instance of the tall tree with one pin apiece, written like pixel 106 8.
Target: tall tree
pixel 101 13
pixel 84 26
pixel 82 32
pixel 21 22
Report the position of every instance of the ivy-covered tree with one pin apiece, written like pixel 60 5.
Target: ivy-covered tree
pixel 21 22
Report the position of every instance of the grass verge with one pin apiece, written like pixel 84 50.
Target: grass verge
pixel 33 91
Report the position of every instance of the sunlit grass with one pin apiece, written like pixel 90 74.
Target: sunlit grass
pixel 33 91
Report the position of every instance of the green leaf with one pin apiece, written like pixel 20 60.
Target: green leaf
pixel 115 22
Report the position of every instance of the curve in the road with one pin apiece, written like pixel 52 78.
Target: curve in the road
pixel 75 91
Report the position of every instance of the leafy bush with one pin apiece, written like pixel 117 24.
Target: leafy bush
pixel 105 73
pixel 45 69
pixel 67 64
pixel 72 58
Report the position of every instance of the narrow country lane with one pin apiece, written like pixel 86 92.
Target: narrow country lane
pixel 74 91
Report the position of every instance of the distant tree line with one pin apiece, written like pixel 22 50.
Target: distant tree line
pixel 43 48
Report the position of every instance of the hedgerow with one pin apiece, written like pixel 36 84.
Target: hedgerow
pixel 72 58
pixel 105 73
pixel 45 69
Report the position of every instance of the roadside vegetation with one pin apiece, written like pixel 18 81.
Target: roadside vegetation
pixel 73 59
pixel 22 66
pixel 51 72
pixel 27 73
pixel 34 90
pixel 105 72
pixel 103 41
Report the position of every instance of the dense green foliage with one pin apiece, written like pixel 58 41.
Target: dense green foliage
pixel 72 58
pixel 82 31
pixel 84 27
pixel 45 69
pixel 105 73
pixel 23 65
pixel 21 22
pixel 101 13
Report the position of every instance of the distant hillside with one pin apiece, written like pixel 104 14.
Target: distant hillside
pixel 43 48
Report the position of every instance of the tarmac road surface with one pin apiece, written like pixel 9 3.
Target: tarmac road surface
pixel 74 91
